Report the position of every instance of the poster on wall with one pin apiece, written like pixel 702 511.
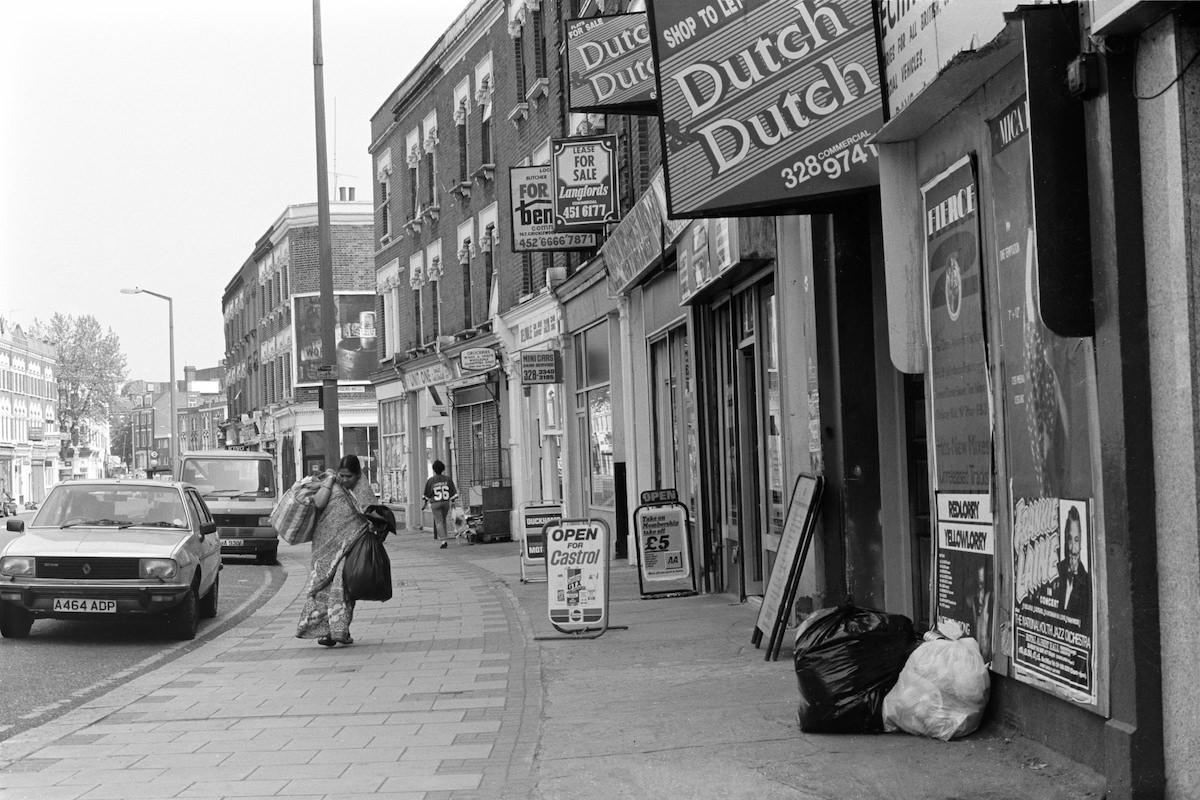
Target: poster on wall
pixel 961 456
pixel 610 64
pixel 765 104
pixel 355 356
pixel 1045 401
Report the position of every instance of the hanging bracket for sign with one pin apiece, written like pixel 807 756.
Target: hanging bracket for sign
pixel 662 530
pixel 577 577
pixel 798 528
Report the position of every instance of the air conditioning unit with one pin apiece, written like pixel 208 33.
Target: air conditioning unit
pixel 555 276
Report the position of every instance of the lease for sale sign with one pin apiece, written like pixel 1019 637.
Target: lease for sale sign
pixel 585 191
pixel 533 213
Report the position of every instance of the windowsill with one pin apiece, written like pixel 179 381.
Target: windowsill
pixel 520 112
pixel 486 172
pixel 540 88
pixel 462 189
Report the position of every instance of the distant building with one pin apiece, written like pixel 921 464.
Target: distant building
pixel 29 435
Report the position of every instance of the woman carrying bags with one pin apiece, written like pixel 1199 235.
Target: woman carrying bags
pixel 340 500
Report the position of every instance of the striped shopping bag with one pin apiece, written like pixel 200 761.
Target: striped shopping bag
pixel 295 515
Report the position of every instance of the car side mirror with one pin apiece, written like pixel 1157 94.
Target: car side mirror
pixel 207 528
pixel 15 525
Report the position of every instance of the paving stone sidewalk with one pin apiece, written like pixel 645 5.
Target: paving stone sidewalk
pixel 459 689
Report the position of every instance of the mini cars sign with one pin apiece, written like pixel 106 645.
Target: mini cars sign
pixel 585 189
pixel 533 213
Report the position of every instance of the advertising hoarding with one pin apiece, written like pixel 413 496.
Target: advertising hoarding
pixel 585 189
pixel 355 355
pixel 533 214
pixel 610 65
pixel 765 104
pixel 577 574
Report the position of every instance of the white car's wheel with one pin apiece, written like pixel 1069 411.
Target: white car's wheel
pixel 184 619
pixel 208 604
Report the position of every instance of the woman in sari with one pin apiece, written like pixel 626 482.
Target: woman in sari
pixel 340 500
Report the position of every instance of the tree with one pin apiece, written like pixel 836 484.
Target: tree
pixel 90 367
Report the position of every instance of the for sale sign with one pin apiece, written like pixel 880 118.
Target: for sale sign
pixel 577 574
pixel 585 192
pixel 765 103
pixel 533 213
pixel 610 65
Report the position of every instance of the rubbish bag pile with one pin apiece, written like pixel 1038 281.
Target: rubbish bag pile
pixel 861 670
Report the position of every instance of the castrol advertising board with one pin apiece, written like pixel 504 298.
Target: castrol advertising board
pixel 577 574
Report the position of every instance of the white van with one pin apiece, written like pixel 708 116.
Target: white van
pixel 240 490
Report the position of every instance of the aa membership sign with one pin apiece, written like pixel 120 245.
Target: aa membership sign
pixel 577 575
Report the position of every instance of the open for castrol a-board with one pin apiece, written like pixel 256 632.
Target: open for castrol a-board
pixel 577 576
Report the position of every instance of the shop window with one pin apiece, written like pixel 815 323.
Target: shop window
pixel 593 411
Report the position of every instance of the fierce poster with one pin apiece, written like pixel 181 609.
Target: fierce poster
pixel 765 103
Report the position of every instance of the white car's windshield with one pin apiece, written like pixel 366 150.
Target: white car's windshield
pixel 227 477
pixel 121 506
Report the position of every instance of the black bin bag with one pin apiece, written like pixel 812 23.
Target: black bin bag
pixel 367 571
pixel 847 660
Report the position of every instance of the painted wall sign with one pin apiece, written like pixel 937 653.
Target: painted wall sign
pixel 765 104
pixel 539 329
pixel 611 65
pixel 431 375
pixel 533 213
pixel 585 192
pixel 541 366
pixel 577 574
pixel 478 358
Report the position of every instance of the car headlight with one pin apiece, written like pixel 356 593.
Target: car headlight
pixel 264 522
pixel 17 565
pixel 161 568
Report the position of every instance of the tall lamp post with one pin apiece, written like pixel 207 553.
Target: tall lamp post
pixel 174 451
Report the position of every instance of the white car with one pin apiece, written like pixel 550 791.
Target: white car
pixel 101 549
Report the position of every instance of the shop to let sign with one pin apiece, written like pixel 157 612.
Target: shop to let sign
pixel 585 190
pixel 533 214
pixel 765 104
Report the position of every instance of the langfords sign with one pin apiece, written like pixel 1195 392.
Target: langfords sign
pixel 611 65
pixel 765 102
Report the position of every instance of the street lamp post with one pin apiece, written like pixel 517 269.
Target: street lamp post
pixel 174 450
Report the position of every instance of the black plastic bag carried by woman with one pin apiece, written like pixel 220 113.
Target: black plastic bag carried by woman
pixel 367 571
pixel 847 660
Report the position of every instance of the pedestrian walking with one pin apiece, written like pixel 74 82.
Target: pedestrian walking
pixel 440 493
pixel 342 496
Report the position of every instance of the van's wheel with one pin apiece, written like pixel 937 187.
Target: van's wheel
pixel 267 557
pixel 14 622
pixel 184 619
pixel 208 605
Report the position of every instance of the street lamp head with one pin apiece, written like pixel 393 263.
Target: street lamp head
pixel 131 291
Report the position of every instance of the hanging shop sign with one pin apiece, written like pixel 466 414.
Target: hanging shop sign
pixel 430 375
pixel 354 336
pixel 541 366
pixel 577 574
pixel 533 214
pixel 765 104
pixel 635 246
pixel 611 65
pixel 586 189
pixel 708 249
pixel 1048 413
pixel 478 359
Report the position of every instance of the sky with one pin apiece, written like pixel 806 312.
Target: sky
pixel 150 144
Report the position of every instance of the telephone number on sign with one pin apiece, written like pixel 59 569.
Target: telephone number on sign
pixel 832 167
pixel 557 241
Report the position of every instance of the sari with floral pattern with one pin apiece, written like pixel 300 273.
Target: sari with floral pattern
pixel 327 612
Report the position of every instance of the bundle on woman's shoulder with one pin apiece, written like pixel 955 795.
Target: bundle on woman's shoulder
pixel 295 515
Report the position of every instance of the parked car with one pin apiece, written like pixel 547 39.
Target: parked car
pixel 104 549
pixel 239 488
pixel 8 506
